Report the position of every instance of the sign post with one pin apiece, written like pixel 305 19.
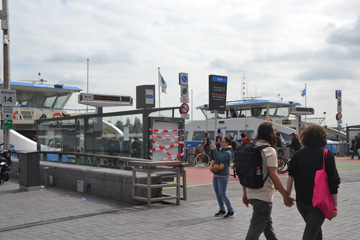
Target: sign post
pixel 4 16
pixel 7 100
pixel 184 94
pixel 217 94
pixel 338 96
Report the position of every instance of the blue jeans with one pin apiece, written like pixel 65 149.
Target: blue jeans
pixel 220 185
pixel 353 154
pixel 261 221
pixel 313 218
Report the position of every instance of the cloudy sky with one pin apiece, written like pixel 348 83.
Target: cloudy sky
pixel 279 45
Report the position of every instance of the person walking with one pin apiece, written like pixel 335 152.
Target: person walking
pixel 357 146
pixel 261 199
pixel 302 170
pixel 295 143
pixel 353 147
pixel 136 148
pixel 221 179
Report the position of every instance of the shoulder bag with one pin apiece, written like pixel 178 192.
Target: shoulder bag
pixel 216 167
pixel 321 196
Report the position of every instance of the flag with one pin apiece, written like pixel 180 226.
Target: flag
pixel 162 82
pixel 303 92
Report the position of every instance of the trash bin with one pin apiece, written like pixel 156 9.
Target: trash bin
pixel 342 149
pixel 29 170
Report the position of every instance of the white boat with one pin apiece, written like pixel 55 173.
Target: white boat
pixel 40 100
pixel 243 116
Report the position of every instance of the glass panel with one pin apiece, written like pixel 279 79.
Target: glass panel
pixel 60 101
pixel 186 135
pixel 245 112
pixel 232 133
pixel 221 114
pixel 211 135
pixel 272 111
pixel 167 113
pixel 198 135
pixel 259 111
pixel 209 114
pixel 49 101
pixel 231 113
pixel 123 136
pixel 57 136
pixel 282 112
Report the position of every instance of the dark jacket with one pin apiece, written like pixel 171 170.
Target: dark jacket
pixel 224 156
pixel 303 167
pixel 295 144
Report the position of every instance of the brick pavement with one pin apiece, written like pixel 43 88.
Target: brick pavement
pixel 59 214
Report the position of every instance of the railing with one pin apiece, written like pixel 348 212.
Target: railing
pixel 172 168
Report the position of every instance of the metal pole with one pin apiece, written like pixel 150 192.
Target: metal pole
pixel 216 115
pixel 159 85
pixel 305 106
pixel 6 52
pixel 87 82
pixel 192 105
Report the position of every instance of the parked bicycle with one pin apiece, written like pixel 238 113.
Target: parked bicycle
pixel 283 162
pixel 199 158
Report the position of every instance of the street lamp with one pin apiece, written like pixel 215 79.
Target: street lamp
pixel 87 81
pixel 324 118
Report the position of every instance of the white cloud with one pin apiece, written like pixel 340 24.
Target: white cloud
pixel 280 45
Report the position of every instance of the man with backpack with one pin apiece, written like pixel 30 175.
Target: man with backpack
pixel 260 193
pixel 206 143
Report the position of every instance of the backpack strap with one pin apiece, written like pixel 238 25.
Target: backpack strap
pixel 262 147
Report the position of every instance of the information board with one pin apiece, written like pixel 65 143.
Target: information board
pixel 217 92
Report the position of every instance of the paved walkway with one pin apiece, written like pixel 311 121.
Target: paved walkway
pixel 59 214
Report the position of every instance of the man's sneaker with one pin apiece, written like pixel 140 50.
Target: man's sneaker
pixel 220 214
pixel 229 215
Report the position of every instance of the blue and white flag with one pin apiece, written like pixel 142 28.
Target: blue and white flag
pixel 303 92
pixel 162 83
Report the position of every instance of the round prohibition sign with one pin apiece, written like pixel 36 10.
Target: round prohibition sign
pixel 184 108
pixel 338 116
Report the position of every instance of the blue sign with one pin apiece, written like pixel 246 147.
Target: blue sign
pixel 217 92
pixel 339 94
pixel 149 96
pixel 184 79
pixel 219 79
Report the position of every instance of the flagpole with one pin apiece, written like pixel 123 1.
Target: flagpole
pixel 305 102
pixel 305 95
pixel 159 84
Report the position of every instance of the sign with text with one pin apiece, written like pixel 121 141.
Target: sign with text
pixel 217 92
pixel 7 112
pixel 8 124
pixel 184 87
pixel 338 96
pixel 8 97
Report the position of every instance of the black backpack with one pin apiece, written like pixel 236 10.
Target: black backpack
pixel 248 166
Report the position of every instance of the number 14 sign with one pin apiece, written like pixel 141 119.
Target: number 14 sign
pixel 8 97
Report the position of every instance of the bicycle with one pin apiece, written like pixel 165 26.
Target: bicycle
pixel 283 162
pixel 199 158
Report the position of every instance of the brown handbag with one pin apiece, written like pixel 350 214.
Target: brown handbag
pixel 216 167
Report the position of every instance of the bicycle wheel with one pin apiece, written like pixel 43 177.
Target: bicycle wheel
pixel 190 159
pixel 283 165
pixel 202 160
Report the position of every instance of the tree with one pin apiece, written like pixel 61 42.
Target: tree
pixel 137 125
pixel 119 124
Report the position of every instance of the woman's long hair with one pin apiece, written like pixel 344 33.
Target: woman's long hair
pixel 266 132
pixel 232 143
